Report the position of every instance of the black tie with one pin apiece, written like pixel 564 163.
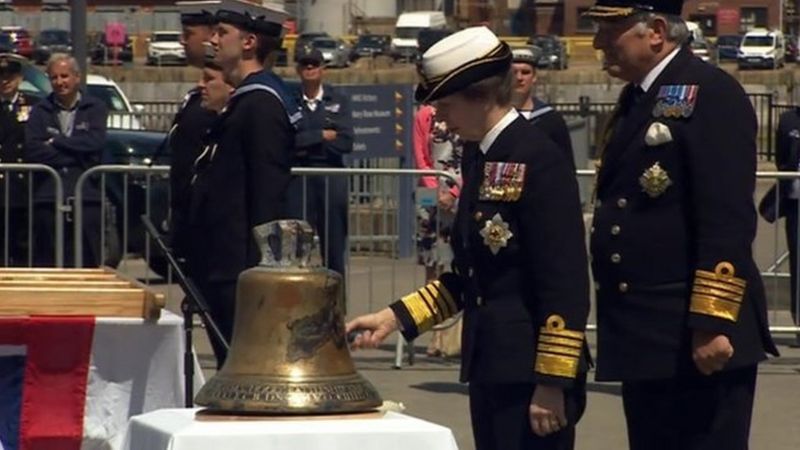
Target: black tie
pixel 638 94
pixel 633 97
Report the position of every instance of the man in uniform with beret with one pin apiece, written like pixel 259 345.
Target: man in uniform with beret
pixel 680 304
pixel 538 112
pixel 15 107
pixel 324 136
pixel 520 270
pixel 192 120
pixel 242 174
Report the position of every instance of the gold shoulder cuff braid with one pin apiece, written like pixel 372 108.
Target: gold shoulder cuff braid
pixel 719 293
pixel 429 305
pixel 558 350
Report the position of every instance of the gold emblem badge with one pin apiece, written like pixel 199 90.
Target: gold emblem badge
pixel 23 113
pixel 496 233
pixel 655 181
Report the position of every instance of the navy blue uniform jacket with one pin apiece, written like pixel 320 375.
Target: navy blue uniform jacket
pixel 674 223
pixel 69 155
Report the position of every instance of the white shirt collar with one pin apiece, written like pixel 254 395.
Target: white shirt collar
pixel 316 98
pixel 491 136
pixel 651 76
pixel 13 98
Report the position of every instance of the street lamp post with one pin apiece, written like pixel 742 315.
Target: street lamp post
pixel 77 22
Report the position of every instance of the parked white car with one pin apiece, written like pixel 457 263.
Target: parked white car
pixel 164 47
pixel 120 112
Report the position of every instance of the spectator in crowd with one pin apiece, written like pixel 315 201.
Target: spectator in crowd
pixel 15 108
pixel 436 148
pixel 66 131
pixel 241 176
pixel 539 113
pixel 324 137
pixel 681 310
pixel 520 269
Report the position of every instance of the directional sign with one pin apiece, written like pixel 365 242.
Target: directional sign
pixel 382 118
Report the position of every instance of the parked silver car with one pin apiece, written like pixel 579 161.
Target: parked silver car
pixel 334 52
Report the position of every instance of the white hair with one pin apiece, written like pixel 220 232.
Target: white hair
pixel 677 31
pixel 56 58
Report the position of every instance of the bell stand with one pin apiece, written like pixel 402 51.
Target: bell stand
pixel 195 303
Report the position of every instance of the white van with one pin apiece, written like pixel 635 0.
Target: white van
pixel 404 43
pixel 762 48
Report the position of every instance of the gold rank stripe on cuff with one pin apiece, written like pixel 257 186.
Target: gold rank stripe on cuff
pixel 563 342
pixel 715 307
pixel 559 350
pixel 734 289
pixel 718 276
pixel 449 301
pixel 556 365
pixel 430 305
pixel 719 293
pixel 419 311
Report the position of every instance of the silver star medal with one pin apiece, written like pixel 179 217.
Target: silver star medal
pixel 496 233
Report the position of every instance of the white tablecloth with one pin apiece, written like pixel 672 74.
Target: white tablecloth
pixel 177 429
pixel 136 367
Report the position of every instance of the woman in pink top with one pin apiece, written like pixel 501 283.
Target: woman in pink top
pixel 435 148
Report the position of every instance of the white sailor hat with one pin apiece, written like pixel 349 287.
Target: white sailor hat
pixel 198 12
pixel 252 17
pixel 526 55
pixel 459 60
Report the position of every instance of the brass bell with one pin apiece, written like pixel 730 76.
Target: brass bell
pixel 289 353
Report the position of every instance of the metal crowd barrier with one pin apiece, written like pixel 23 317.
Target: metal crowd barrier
pixel 7 173
pixel 146 185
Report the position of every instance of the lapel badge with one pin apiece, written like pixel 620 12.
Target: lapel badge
pixel 502 181
pixel 676 101
pixel 496 233
pixel 655 181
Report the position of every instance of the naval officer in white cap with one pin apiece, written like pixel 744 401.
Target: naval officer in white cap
pixel 520 268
